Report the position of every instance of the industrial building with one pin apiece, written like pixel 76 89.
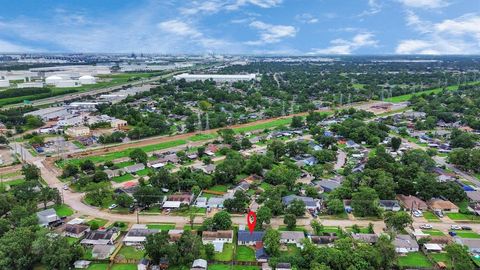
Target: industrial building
pixel 220 78
pixel 30 85
pixel 4 83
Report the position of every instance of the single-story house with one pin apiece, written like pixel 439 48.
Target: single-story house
pixel 246 238
pixel 323 240
pixel 114 173
pixel 261 255
pixel 102 252
pixel 328 185
pixel 134 168
pixel 100 237
pixel 429 247
pixel 404 243
pixel 225 236
pixel 369 238
pixel 47 217
pixel 410 203
pixel 201 202
pixel 310 203
pixel 199 264
pixel 292 237
pixel 208 169
pixel 156 164
pixel 76 230
pixel 174 201
pixel 473 196
pixel 442 205
pixel 242 186
pixel 137 235
pixel 389 205
pixel 81 264
pixel 473 245
pixel 215 202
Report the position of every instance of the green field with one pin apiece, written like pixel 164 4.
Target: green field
pixel 98 266
pixel 63 210
pixel 231 267
pixel 123 178
pixel 271 124
pixel 407 97
pixel 226 255
pixel 122 154
pixel 219 188
pixel 131 253
pixel 202 137
pixel 358 86
pixel 79 144
pixel 414 259
pixel 14 182
pixel 124 267
pixel 162 227
pixel 441 257
pixel 245 254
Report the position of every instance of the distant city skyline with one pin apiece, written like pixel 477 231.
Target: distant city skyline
pixel 263 27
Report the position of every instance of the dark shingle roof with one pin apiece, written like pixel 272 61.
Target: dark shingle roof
pixel 246 236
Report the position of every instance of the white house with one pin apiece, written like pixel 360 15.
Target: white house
pixel 292 237
pixel 404 243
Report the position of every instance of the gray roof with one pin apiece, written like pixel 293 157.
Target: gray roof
pixel 47 212
pixel 365 237
pixel 309 202
pixel 405 241
pixel 135 167
pixel 471 243
pixel 246 236
pixel 473 195
pixel 329 184
pixel 297 236
pixel 201 263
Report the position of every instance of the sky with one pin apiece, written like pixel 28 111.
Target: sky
pixel 261 27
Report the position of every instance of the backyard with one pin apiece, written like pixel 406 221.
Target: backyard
pixel 226 255
pixel 414 259
pixel 245 254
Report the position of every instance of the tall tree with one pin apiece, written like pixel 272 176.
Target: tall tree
pixel 271 241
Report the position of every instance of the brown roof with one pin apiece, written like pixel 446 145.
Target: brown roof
pixel 76 229
pixel 408 201
pixel 441 204
pixel 438 239
pixel 218 234
pixel 179 198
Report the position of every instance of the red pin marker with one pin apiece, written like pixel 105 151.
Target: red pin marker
pixel 251 221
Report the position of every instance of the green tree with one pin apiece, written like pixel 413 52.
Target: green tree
pixel 138 155
pixel 70 170
pixel 209 251
pixel 55 252
pixel 365 202
pixel 297 208
pixel 271 242
pixel 317 227
pixel 238 204
pixel 459 256
pixel 395 143
pixel 264 214
pixel 124 200
pixel 246 144
pixel 282 174
pixel 222 220
pixel 31 172
pixel 3 140
pixel 297 122
pixel 277 148
pixel 157 246
pixel 15 249
pixel 290 220
pixel 386 248
pixel 397 221
pixel 147 195
pixel 87 165
pixel 335 206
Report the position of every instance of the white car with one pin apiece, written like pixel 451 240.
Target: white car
pixel 455 227
pixel 113 206
pixel 417 213
pixel 65 187
pixel 426 226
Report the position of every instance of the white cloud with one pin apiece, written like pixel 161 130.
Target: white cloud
pixel 8 47
pixel 180 28
pixel 215 6
pixel 374 7
pixel 425 3
pixel 342 46
pixel 270 33
pixel 306 18
pixel 452 36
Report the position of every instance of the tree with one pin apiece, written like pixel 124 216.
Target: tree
pixel 297 208
pixel 138 155
pixel 147 195
pixel 189 247
pixel 209 251
pixel 246 144
pixel 335 206
pixel 47 194
pixel 238 204
pixel 397 221
pixel 317 227
pixel 100 176
pixel 55 251
pixel 222 221
pixel 297 122
pixel 157 246
pixel 3 140
pixel 70 170
pixel 282 174
pixel 290 220
pixel 365 202
pixel 459 256
pixel 15 249
pixel 271 242
pixel 395 142
pixel 386 248
pixel 277 148
pixel 228 135
pixel 124 200
pixel 264 214
pixel 31 172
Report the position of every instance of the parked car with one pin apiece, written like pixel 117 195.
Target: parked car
pixel 113 206
pixel 439 214
pixel 417 213
pixel 466 228
pixel 65 187
pixel 426 226
pixel 455 227
pixel 452 233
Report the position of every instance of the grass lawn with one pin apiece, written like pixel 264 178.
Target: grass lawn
pixel 100 221
pixel 14 182
pixel 188 228
pixel 407 97
pixel 431 217
pixel 162 227
pixel 441 257
pixel 245 254
pixel 332 229
pixel 265 186
pixel 230 267
pixel 79 144
pixel 123 178
pixel 358 86
pixel 186 212
pixel 131 253
pixel 202 137
pixel 342 215
pixel 292 249
pixel 270 124
pixel 98 266
pixel 296 229
pixel 467 234
pixel 226 255
pixel 88 254
pixel 144 172
pixel 463 217
pixel 72 240
pixel 63 210
pixel 219 188
pixel 125 164
pixel 124 267
pixel 433 232
pixel 414 259
pixel 362 229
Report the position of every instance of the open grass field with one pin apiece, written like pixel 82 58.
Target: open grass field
pixel 296 229
pixel 226 255
pixel 219 188
pixel 124 267
pixel 245 254
pixel 414 259
pixel 14 182
pixel 63 210
pixel 407 97
pixel 202 137
pixel 131 253
pixel 271 124
pixel 441 257
pixel 162 227
pixel 291 250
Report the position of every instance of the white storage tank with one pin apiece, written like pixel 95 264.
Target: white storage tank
pixel 87 79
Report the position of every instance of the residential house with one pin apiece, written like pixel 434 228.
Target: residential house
pixel 81 264
pixel 242 186
pixel 143 264
pixel 174 235
pixel 430 248
pixel 100 237
pixel 473 196
pixel 114 173
pixel 261 255
pixel 48 217
pixel 324 240
pixel 201 202
pixel 283 266
pixel 215 202
pixel 310 203
pixel 473 245
pixel 76 230
pixel 389 205
pixel 137 235
pixel 102 252
pixel 246 238
pixel 369 238
pixel 199 264
pixel 156 164
pixel 410 203
pixel 328 185
pixel 292 237
pixel 174 201
pixel 225 236
pixel 134 168
pixel 442 205
pixel 404 243
pixel 208 169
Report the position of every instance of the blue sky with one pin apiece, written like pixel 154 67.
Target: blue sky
pixel 291 27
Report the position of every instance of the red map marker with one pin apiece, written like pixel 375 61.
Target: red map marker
pixel 251 221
